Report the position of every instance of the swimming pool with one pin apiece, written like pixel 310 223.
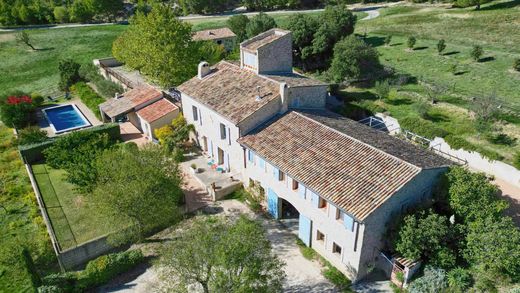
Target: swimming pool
pixel 65 118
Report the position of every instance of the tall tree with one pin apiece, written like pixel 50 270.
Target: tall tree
pixel 259 24
pixel 139 188
pixel 337 22
pixel 159 45
pixel 222 256
pixel 238 24
pixel 303 28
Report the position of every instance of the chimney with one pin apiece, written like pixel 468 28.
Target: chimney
pixel 204 69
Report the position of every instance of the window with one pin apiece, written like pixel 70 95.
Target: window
pixel 195 113
pixel 222 131
pixel 261 163
pixel 320 236
pixel 294 185
pixel 339 215
pixel 322 203
pixel 219 42
pixel 250 156
pixel 336 248
pixel 281 175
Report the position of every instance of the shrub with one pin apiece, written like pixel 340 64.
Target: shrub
pixel 422 107
pixel 88 97
pixel 516 64
pixel 476 53
pixel 388 40
pixel 16 110
pixel 516 160
pixel 61 14
pixel 37 99
pixel 107 88
pixel 433 280
pixel 69 73
pixel 441 45
pixel 31 134
pixel 382 88
pixel 459 279
pixel 501 139
pixel 411 42
pixel 454 68
pixel 106 267
pixel 422 127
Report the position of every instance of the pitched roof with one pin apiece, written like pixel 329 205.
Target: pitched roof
pixel 295 79
pixel 231 92
pixel 130 100
pixel 213 34
pixel 355 176
pixel 157 110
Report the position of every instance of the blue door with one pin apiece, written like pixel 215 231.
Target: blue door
pixel 272 203
pixel 304 229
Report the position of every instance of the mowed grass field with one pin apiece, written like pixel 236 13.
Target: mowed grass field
pixel 73 220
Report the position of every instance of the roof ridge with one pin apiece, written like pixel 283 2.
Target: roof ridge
pixel 362 142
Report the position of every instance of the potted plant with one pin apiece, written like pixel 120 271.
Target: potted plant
pixel 194 168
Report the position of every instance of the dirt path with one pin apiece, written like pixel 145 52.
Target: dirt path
pixel 511 193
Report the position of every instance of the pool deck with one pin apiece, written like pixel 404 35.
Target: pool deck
pixel 44 124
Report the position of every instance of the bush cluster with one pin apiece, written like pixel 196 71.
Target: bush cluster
pixel 457 142
pixel 16 110
pixel 422 127
pixel 97 272
pixel 88 96
pixel 105 87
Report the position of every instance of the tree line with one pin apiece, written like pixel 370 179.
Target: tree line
pixel 20 12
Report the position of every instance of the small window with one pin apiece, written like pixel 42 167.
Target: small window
pixel 219 42
pixel 322 203
pixel 195 113
pixel 281 175
pixel 294 185
pixel 222 131
pixel 320 236
pixel 339 215
pixel 336 248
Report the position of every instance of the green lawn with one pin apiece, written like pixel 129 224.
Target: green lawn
pixel 73 220
pixel 20 222
pixel 37 71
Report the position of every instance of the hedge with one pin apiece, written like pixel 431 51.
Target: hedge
pixel 457 142
pixel 88 96
pixel 422 127
pixel 97 272
pixel 34 152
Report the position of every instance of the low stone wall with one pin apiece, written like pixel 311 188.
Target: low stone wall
pixel 220 193
pixel 77 256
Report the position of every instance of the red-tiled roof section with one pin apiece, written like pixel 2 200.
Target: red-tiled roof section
pixel 231 92
pixel 213 34
pixel 129 100
pixel 356 177
pixel 156 110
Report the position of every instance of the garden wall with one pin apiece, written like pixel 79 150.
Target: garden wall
pixel 474 160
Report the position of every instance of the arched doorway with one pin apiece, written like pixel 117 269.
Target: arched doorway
pixel 289 216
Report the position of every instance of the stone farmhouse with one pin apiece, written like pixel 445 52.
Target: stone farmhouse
pixel 220 36
pixel 341 181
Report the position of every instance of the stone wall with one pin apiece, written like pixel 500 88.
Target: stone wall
pixel 77 256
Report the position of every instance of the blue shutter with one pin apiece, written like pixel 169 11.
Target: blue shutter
pixel 276 172
pixel 304 229
pixel 348 222
pixel 211 148
pixel 261 163
pixel 272 203
pixel 315 199
pixel 301 190
pixel 250 156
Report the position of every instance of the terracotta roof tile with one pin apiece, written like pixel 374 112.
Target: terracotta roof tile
pixel 157 110
pixel 231 92
pixel 356 177
pixel 130 100
pixel 213 34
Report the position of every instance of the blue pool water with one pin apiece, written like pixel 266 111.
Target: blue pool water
pixel 65 118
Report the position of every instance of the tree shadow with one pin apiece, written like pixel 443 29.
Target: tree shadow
pixel 460 72
pixel 399 101
pixel 375 41
pixel 395 44
pixel 502 5
pixel 486 59
pixel 45 49
pixel 438 117
pixel 451 53
pixel 420 48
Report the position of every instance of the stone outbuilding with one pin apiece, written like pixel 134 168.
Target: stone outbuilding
pixel 221 36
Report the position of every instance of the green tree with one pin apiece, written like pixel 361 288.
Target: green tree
pixel 238 24
pixel 173 136
pixel 159 45
pixel 137 188
pixel 23 37
pixel 69 73
pixel 388 40
pixel 426 236
pixel 31 134
pixel 336 22
pixel 459 280
pixel 81 11
pixel 476 53
pixel 441 46
pixel 61 14
pixel 493 245
pixel 382 88
pixel 469 192
pixel 353 59
pixel 211 52
pixel 107 9
pixel 411 42
pixel 223 256
pixel 303 28
pixel 259 24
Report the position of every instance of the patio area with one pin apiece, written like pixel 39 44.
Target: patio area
pixel 130 133
pixel 217 183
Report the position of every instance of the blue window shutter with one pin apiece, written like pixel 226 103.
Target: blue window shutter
pixel 301 190
pixel 261 163
pixel 304 229
pixel 315 199
pixel 348 222
pixel 211 148
pixel 272 203
pixel 250 155
pixel 276 172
